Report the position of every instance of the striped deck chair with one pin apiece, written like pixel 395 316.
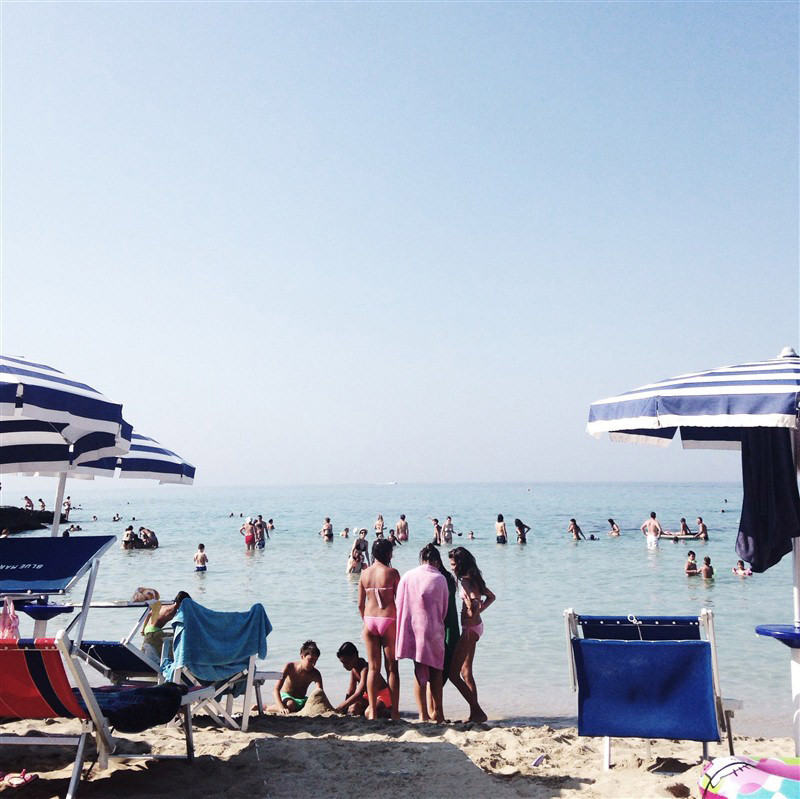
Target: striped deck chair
pixel 647 677
pixel 34 685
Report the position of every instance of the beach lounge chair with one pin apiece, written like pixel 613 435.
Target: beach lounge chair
pixel 34 685
pixel 647 677
pixel 220 648
pixel 32 570
pixel 122 661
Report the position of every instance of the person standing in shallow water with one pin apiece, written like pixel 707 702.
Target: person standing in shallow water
pixel 652 530
pixel 437 532
pixel 379 526
pixel 575 531
pixel 402 528
pixel 500 529
pixel 248 530
pixel 476 597
pixel 522 531
pixel 327 530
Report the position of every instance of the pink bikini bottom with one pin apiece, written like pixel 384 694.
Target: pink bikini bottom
pixel 476 630
pixel 378 625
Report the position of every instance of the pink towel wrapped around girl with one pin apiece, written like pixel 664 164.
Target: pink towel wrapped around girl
pixel 421 602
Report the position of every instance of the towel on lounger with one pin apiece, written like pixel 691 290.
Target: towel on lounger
pixel 214 645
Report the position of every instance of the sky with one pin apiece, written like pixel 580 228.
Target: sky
pixel 353 243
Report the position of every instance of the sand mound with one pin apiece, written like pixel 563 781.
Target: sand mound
pixel 317 705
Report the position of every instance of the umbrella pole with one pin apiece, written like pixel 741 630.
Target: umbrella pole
pixel 795 662
pixel 62 482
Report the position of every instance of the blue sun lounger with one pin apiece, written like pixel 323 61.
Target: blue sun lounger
pixel 647 677
pixel 39 567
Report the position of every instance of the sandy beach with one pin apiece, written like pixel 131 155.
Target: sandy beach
pixel 328 755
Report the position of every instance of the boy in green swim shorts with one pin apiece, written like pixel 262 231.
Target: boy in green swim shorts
pixel 292 686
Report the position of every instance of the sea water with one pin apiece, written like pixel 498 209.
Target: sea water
pixel 521 661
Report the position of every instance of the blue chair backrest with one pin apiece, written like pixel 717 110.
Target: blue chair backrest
pixel 646 689
pixel 45 565
pixel 648 628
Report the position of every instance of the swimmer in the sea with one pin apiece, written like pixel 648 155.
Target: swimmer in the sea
pixel 740 570
pixel 575 530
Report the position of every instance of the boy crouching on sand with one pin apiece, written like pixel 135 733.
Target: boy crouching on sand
pixel 356 701
pixel 291 687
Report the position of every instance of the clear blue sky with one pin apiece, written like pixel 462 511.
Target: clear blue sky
pixel 369 242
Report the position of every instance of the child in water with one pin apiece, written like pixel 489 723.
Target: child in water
pixel 200 558
pixel 691 564
pixel 708 569
pixel 740 571
pixel 355 563
pixel 356 699
pixel 292 685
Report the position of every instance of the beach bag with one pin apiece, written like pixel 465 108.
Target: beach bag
pixel 9 621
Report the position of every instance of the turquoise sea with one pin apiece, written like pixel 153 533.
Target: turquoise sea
pixel 521 662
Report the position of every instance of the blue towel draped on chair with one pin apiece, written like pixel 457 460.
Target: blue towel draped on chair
pixel 215 645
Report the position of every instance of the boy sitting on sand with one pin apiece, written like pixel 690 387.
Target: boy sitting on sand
pixel 291 687
pixel 356 701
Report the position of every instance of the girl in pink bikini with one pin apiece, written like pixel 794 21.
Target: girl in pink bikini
pixel 377 589
pixel 473 591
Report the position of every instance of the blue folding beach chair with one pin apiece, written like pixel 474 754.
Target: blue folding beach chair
pixel 34 569
pixel 220 648
pixel 647 677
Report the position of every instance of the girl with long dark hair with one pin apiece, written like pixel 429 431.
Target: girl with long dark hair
pixel 475 597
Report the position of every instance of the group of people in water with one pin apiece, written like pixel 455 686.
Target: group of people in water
pixel 414 616
pixel 143 539
pixel 256 532
pixel 651 528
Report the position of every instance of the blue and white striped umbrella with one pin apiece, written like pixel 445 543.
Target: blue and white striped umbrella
pixel 710 408
pixel 147 459
pixel 747 407
pixel 49 421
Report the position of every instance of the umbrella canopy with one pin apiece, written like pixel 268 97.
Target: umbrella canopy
pixel 48 420
pixel 710 408
pixel 147 459
pixel 754 407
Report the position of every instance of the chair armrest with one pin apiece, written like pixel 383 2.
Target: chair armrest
pixel 197 694
pixel 263 676
pixel 730 705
